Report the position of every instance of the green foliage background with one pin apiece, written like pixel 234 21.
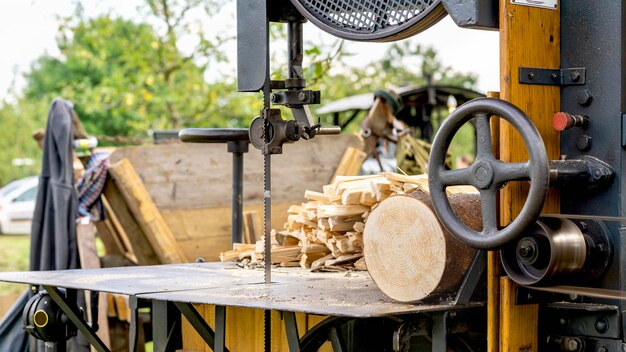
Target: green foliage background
pixel 127 77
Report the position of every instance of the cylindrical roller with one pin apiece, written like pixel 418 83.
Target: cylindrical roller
pixel 409 254
pixel 555 251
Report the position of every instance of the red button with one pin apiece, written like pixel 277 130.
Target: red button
pixel 561 121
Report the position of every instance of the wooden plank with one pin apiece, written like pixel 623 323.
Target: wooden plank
pixel 518 337
pixel 204 233
pixel 187 176
pixel 88 254
pixel 493 259
pixel 146 213
pixel 529 37
pixel 141 248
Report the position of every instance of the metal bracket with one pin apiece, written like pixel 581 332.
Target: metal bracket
pixel 553 77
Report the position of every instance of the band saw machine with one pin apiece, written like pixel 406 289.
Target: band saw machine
pixel 549 270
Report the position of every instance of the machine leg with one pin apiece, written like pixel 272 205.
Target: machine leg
pixel 133 333
pixel 335 339
pixel 166 327
pixel 291 330
pixel 78 321
pixel 220 329
pixel 440 332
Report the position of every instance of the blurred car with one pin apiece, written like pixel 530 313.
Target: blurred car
pixel 17 205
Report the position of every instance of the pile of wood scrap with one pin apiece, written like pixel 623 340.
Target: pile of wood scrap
pixel 326 232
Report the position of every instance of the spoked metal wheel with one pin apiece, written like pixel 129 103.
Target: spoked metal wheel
pixel 372 20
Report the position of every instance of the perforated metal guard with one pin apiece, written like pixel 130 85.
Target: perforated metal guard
pixel 372 20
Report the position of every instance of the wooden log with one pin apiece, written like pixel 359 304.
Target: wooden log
pixel 409 254
pixel 146 213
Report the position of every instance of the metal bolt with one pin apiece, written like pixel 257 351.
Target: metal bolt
pixel 531 75
pixel 603 349
pixel 574 76
pixel 275 150
pixel 301 96
pixel 583 97
pixel 200 260
pixel 602 325
pixel 554 76
pixel 273 97
pixel 583 143
pixel 573 344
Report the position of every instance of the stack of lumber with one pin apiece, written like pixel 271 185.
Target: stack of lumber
pixel 326 232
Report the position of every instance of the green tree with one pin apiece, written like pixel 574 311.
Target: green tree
pixel 127 77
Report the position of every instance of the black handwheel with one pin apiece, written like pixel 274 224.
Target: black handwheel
pixel 488 174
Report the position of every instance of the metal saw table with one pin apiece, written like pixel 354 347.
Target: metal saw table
pixel 346 294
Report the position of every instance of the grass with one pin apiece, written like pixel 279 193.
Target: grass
pixel 14 255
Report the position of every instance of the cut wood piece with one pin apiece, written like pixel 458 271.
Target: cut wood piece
pixel 314 248
pixel 312 195
pixel 368 198
pixel 289 264
pixel 320 262
pixel 360 264
pixel 307 259
pixel 327 211
pixel 285 254
pixel 352 196
pixel 249 228
pixel 323 224
pixel 343 259
pixel 341 224
pixel 295 209
pixel 358 226
pixel 146 213
pixel 409 254
pixel 350 163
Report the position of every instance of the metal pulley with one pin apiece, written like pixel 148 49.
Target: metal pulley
pixel 372 20
pixel 558 251
pixel 44 319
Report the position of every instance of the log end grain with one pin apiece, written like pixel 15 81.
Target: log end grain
pixel 405 249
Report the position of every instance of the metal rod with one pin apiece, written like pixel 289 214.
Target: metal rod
pixel 78 321
pixel 295 39
pixel 291 330
pixel 220 329
pixel 237 210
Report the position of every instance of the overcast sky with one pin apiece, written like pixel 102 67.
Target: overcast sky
pixel 28 29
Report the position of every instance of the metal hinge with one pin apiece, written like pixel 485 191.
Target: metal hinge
pixel 553 77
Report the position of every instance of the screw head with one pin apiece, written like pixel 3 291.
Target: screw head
pixel 584 97
pixel 531 75
pixel 574 76
pixel 583 143
pixel 301 96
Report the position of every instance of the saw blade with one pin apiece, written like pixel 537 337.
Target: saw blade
pixel 583 291
pixel 586 217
